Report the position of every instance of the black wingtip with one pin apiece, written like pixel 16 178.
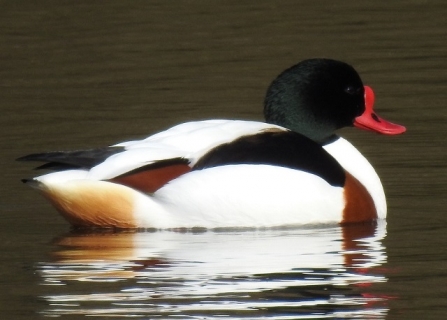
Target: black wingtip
pixel 35 157
pixel 31 157
pixel 73 159
pixel 24 158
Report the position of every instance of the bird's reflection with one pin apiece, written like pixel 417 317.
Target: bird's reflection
pixel 281 273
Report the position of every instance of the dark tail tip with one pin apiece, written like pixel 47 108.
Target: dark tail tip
pixel 32 183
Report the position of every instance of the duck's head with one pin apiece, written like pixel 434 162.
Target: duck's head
pixel 318 96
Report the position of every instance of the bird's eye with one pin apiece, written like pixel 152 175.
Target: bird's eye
pixel 352 90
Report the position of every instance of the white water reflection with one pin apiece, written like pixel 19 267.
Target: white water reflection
pixel 281 274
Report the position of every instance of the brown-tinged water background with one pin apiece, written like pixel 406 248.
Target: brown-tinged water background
pixel 76 74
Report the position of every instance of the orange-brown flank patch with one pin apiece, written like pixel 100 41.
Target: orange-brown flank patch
pixel 152 179
pixel 359 206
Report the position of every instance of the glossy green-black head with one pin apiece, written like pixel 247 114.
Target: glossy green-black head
pixel 315 98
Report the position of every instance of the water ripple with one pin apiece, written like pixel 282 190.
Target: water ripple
pixel 280 274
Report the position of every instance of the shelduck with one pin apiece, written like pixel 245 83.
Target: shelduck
pixel 290 170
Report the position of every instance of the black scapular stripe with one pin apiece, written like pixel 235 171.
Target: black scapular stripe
pixel 283 148
pixel 63 160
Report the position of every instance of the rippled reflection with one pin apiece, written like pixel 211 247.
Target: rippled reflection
pixel 281 274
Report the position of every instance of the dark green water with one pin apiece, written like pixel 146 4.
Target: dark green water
pixel 81 74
